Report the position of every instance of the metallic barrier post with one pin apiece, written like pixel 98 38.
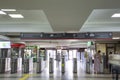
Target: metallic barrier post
pixel 63 64
pixel 39 66
pixel 2 65
pixel 3 55
pixel 87 66
pixel 75 65
pixel 13 65
pixel 26 66
pixel 51 65
pixel 102 67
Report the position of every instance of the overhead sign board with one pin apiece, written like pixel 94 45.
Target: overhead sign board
pixel 94 35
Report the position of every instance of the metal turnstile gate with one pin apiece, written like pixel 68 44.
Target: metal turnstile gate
pixel 39 66
pixel 14 65
pixel 75 65
pixel 63 65
pixel 26 65
pixel 87 66
pixel 2 65
pixel 51 65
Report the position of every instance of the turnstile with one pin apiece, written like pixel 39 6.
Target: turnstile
pixel 2 65
pixel 13 65
pixel 26 65
pixel 102 67
pixel 39 66
pixel 51 65
pixel 63 65
pixel 75 65
pixel 87 66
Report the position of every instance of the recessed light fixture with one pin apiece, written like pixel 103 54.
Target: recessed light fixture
pixel 116 15
pixel 8 9
pixel 2 13
pixel 16 15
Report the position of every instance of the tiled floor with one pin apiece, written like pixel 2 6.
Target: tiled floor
pixel 57 75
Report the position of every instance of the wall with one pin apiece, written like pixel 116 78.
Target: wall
pixel 118 48
pixel 101 47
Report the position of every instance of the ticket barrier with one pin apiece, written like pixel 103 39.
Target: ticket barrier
pixel 75 65
pixel 39 66
pixel 26 65
pixel 14 65
pixel 2 65
pixel 51 65
pixel 63 65
pixel 87 66
pixel 102 67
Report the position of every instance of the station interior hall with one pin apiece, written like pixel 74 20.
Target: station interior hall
pixel 59 40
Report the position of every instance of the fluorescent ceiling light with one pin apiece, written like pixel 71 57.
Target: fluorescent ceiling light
pixel 3 13
pixel 8 9
pixel 116 15
pixel 116 38
pixel 16 15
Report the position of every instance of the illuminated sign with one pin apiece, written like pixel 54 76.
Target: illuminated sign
pixel 5 44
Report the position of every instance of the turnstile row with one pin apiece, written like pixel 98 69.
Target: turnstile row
pixel 63 65
pixel 28 63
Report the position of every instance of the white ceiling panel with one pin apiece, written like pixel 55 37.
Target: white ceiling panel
pixel 100 20
pixel 33 21
pixel 30 16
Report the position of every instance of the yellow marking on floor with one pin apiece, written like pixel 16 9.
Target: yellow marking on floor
pixel 25 76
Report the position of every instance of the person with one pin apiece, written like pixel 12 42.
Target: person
pixel 97 62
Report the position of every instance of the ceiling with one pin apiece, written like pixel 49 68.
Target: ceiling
pixel 63 15
pixel 60 16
